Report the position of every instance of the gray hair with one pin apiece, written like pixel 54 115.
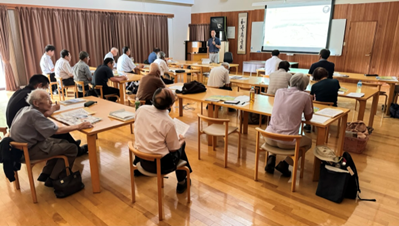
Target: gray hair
pixel 36 95
pixel 225 64
pixel 161 55
pixel 300 81
pixel 83 55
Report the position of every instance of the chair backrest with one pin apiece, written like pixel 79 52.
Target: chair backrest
pixel 82 84
pixel 212 120
pixel 323 103
pixel 141 155
pixel 266 94
pixel 377 85
pixel 276 136
pixel 49 79
pixel 228 57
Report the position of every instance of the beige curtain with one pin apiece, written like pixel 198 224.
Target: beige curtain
pixel 5 48
pixel 199 32
pixel 92 31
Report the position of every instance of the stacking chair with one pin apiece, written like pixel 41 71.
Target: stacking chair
pixel 30 164
pixel 50 86
pixel 150 157
pixel 81 84
pixel 293 154
pixel 62 88
pixel 218 128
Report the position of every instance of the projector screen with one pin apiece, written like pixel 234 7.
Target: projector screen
pixel 297 28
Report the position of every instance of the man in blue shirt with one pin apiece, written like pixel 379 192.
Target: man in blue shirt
pixel 213 47
pixel 153 56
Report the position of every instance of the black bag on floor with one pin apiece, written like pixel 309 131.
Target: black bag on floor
pixel 69 185
pixel 394 110
pixel 192 87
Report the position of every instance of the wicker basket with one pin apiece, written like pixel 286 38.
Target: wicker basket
pixel 355 145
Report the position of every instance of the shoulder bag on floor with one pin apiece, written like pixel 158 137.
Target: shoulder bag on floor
pixel 68 185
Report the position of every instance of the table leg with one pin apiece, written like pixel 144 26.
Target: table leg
pixel 321 138
pixel 95 175
pixel 122 91
pixel 341 139
pixel 362 108
pixel 373 110
pixel 185 77
pixel 210 114
pixel 245 122
pixel 236 70
pixel 180 107
pixel 390 97
pixel 176 78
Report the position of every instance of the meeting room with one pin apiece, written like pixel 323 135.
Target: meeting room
pixel 199 112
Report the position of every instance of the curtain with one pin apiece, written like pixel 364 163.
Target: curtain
pixel 92 31
pixel 199 32
pixel 5 48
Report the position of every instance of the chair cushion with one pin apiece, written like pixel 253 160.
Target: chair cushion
pixel 148 174
pixel 277 150
pixel 219 130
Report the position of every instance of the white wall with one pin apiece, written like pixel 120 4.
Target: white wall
pixel 179 22
pixel 203 6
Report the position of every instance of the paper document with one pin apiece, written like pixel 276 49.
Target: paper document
pixel 235 77
pixel 355 95
pixel 176 87
pixel 181 127
pixel 69 107
pixel 319 119
pixel 72 101
pixel 122 115
pixel 76 117
pixel 242 98
pixel 329 112
pixel 387 78
pixel 220 97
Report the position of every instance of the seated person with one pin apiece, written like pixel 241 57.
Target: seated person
pixel 329 66
pixel 272 63
pixel 149 83
pixel 163 65
pixel 18 101
pixel 101 76
pixel 47 66
pixel 280 78
pixel 289 104
pixel 219 77
pixel 125 63
pixel 63 68
pixel 155 133
pixel 31 126
pixel 112 54
pixel 82 71
pixel 325 90
pixel 153 56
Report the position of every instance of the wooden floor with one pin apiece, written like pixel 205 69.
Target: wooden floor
pixel 219 196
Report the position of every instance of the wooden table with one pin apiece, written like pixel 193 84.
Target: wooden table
pixel 369 92
pixel 121 85
pixel 199 64
pixel 145 71
pixel 264 105
pixel 101 109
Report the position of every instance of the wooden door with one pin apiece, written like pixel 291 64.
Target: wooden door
pixel 360 46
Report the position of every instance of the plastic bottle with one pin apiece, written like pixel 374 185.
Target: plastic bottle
pixel 359 87
pixel 252 94
pixel 137 103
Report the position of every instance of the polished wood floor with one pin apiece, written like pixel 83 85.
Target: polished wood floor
pixel 220 196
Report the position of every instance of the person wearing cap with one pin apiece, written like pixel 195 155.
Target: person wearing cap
pixel 289 104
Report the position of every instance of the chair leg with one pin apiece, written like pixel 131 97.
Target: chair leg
pixel 256 156
pixel 266 156
pixel 239 144
pixel 162 182
pixel 160 207
pixel 16 183
pixel 260 121
pixel 188 184
pixel 59 93
pixel 201 108
pixel 295 169
pixel 225 151
pixel 327 134
pixel 31 183
pixel 131 128
pixel 132 168
pixel 302 163
pixel 51 91
pixel 214 139
pixel 199 145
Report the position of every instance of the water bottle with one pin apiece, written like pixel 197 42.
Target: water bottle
pixel 359 87
pixel 137 103
pixel 252 94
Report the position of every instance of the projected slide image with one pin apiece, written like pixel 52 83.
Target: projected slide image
pixel 297 27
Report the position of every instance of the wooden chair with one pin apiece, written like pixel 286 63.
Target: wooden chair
pixel 61 89
pixel 30 164
pixel 198 74
pixel 293 154
pixel 50 86
pixel 219 128
pixel 381 93
pixel 267 117
pixel 150 157
pixel 81 83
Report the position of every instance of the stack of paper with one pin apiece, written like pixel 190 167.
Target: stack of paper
pixel 317 119
pixel 387 78
pixel 235 77
pixel 356 95
pixel 329 112
pixel 181 127
pixel 72 101
pixel 75 117
pixel 122 115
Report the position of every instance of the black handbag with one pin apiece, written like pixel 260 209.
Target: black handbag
pixel 68 185
pixel 332 185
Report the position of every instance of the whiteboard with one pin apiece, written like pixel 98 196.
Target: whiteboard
pixel 335 44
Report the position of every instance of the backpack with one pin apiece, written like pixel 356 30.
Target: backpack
pixel 394 110
pixel 192 87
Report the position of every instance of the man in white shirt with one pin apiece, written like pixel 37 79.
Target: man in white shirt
pixel 155 133
pixel 47 66
pixel 219 77
pixel 272 63
pixel 125 63
pixel 161 61
pixel 280 78
pixel 111 54
pixel 63 68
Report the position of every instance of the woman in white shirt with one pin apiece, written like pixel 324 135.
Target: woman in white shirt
pixel 163 66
